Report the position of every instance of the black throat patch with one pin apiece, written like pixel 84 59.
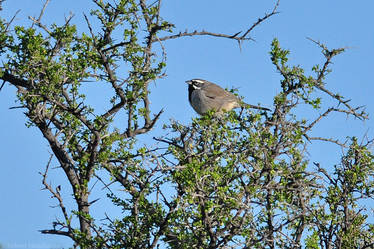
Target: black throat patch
pixel 190 90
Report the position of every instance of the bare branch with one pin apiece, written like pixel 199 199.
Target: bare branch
pixel 56 194
pixel 2 85
pixel 336 141
pixel 121 44
pixel 331 109
pixel 312 124
pixel 260 20
pixel 43 9
pixel 329 54
pixel 324 172
pixel 147 126
pixel 106 186
pixel 11 20
pixel 38 21
pixel 352 111
pixel 57 232
pixel 198 33
pixel 221 35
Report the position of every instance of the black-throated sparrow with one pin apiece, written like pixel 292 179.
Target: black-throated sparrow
pixel 204 96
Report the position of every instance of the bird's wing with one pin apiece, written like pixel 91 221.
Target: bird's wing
pixel 216 92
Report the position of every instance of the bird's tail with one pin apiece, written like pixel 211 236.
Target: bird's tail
pixel 255 107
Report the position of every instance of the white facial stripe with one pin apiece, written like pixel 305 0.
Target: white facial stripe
pixel 198 81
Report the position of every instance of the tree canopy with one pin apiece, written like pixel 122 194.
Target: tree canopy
pixel 241 180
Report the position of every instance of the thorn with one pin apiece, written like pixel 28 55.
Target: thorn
pixel 235 35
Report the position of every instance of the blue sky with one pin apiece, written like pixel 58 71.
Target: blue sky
pixel 25 209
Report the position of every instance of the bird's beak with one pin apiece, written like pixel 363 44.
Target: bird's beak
pixel 188 82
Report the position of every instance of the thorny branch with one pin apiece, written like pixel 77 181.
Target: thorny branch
pixel 329 54
pixel 260 20
pixel 236 36
pixel 56 194
pixel 331 140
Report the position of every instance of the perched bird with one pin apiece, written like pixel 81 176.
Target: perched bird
pixel 204 96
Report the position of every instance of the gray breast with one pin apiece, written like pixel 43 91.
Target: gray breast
pixel 200 103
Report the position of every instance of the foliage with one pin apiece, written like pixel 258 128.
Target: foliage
pixel 238 180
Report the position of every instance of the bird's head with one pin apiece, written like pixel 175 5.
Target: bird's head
pixel 195 83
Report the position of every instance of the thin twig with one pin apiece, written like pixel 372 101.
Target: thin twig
pixel 17 107
pixel 43 9
pixel 233 36
pixel 318 119
pixel 56 194
pixel 106 186
pixel 2 85
pixel 362 115
pixel 11 20
pixel 197 33
pixel 38 21
pixel 260 20
pixel 335 141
